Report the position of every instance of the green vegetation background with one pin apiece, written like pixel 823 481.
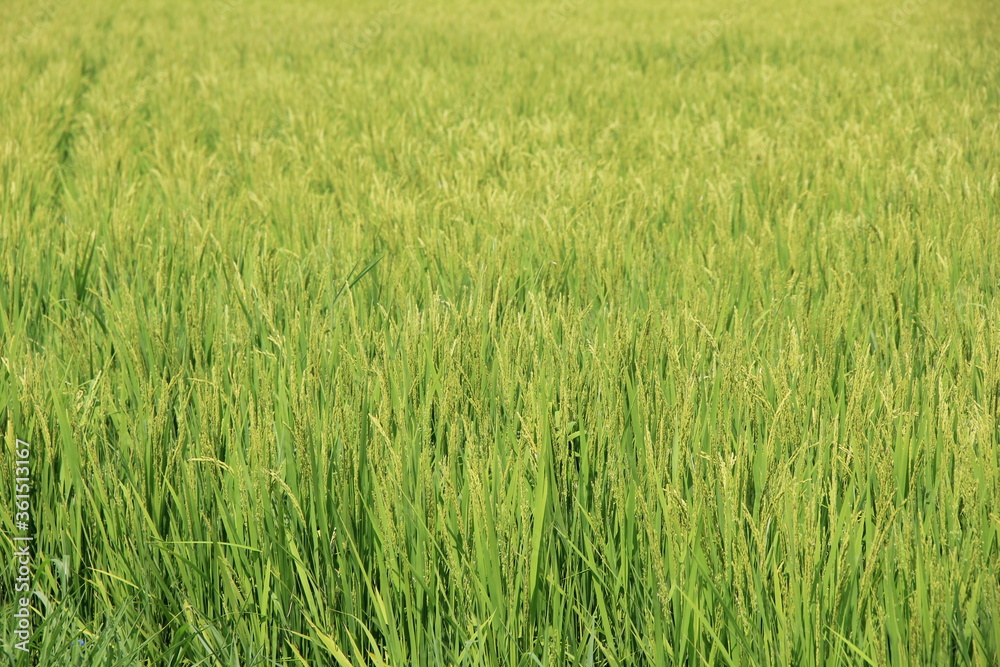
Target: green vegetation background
pixel 578 332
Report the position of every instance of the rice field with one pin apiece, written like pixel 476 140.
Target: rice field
pixel 569 332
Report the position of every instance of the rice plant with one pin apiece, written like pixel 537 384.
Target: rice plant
pixel 531 333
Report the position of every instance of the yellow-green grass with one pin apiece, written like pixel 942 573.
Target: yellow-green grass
pixel 577 332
